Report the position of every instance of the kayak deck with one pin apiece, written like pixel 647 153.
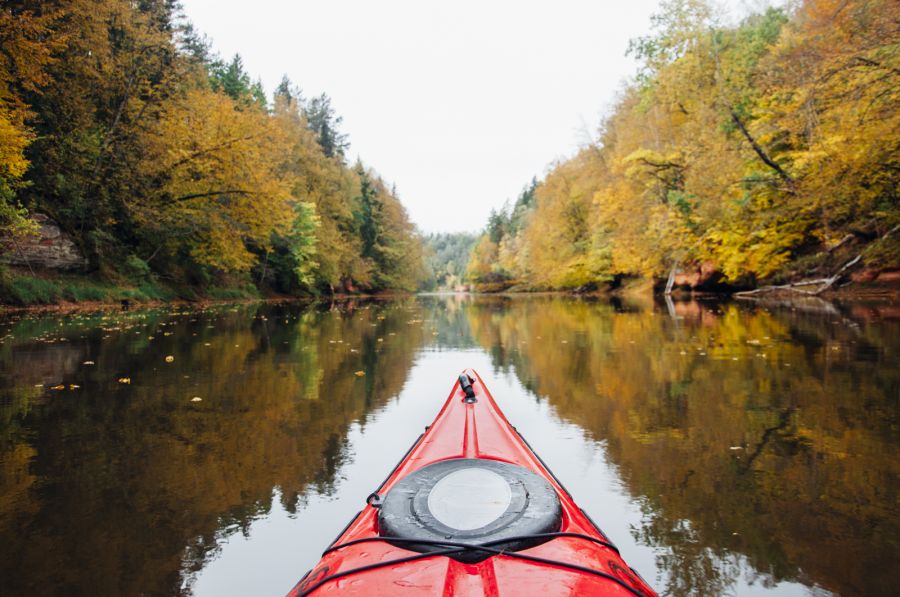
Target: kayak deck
pixel 577 560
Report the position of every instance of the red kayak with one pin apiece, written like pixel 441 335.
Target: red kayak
pixel 471 510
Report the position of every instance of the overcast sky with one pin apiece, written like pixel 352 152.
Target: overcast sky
pixel 458 103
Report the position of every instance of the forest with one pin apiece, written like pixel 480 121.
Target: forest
pixel 749 153
pixel 173 171
pixel 753 153
pixel 446 257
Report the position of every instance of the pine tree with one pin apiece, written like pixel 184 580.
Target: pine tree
pixel 323 121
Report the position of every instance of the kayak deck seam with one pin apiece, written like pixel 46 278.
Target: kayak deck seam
pixel 455 547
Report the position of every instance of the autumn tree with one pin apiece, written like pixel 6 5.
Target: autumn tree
pixel 114 73
pixel 221 185
pixel 29 43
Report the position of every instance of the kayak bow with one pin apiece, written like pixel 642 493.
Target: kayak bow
pixel 471 510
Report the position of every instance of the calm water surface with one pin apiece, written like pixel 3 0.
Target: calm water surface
pixel 727 449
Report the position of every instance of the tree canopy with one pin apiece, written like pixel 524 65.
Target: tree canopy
pixel 118 120
pixel 750 147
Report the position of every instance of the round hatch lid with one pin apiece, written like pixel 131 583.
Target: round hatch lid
pixel 470 500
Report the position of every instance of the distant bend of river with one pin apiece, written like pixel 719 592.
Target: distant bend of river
pixel 727 449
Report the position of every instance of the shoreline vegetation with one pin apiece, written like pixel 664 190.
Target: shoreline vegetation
pixel 762 153
pixel 62 301
pixel 149 168
pixel 759 157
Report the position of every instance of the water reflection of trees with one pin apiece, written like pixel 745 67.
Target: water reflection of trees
pixel 104 486
pixel 750 434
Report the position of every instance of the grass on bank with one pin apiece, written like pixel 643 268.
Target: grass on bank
pixel 26 290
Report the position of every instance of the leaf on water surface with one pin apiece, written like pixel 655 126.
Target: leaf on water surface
pixel 88 363
pixel 359 373
pixel 73 386
pixel 59 387
pixel 196 399
pixel 124 380
pixel 170 359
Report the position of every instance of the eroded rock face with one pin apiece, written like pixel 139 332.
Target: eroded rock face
pixel 878 275
pixel 698 276
pixel 50 248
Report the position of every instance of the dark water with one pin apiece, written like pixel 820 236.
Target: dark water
pixel 727 449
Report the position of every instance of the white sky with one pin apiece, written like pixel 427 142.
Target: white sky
pixel 457 103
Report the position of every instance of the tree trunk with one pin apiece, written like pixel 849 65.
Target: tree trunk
pixel 671 281
pixel 759 150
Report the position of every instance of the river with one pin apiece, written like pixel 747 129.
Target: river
pixel 727 448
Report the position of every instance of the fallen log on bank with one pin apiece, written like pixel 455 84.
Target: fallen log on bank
pixel 822 283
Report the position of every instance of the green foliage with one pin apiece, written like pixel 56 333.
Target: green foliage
pixel 137 269
pixel 498 223
pixel 27 290
pixel 446 256
pixel 324 122
pixel 232 294
pixel 231 79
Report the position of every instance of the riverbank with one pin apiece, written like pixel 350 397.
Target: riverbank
pixel 69 292
pixel 49 290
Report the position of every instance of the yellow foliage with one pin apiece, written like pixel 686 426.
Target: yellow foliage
pixel 13 141
pixel 28 46
pixel 741 146
pixel 222 185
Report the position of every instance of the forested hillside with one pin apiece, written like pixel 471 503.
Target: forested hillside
pixel 170 166
pixel 446 256
pixel 766 150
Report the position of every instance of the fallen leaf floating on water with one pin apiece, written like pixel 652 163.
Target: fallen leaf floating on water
pixel 88 363
pixel 170 358
pixel 196 399
pixel 39 385
pixel 59 387
pixel 73 386
pixel 125 380
pixel 359 373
